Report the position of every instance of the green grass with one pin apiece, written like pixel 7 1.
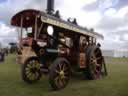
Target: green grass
pixel 115 84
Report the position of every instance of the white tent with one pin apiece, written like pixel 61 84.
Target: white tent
pixel 121 53
pixel 115 53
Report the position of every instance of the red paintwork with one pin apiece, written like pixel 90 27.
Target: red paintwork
pixel 25 14
pixel 27 40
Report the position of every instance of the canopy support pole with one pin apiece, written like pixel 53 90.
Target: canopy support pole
pixel 21 29
pixel 35 35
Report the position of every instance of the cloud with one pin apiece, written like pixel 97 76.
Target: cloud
pixel 108 17
pixel 114 19
pixel 115 27
pixel 7 32
pixel 7 10
pixel 126 37
pixel 74 9
pixel 121 3
pixel 10 7
pixel 101 5
pixel 2 1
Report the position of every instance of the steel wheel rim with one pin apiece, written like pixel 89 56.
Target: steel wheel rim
pixel 62 75
pixel 32 70
pixel 96 59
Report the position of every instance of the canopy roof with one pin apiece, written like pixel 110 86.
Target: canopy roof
pixel 28 17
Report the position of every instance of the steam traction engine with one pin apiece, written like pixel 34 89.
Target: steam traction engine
pixel 48 44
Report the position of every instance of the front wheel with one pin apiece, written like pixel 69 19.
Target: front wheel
pixel 59 74
pixel 31 70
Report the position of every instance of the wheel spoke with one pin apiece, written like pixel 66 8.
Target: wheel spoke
pixel 98 58
pixel 93 62
pixel 64 82
pixel 57 80
pixel 59 66
pixel 93 59
pixel 33 65
pixel 57 71
pixel 30 62
pixel 28 71
pixel 33 61
pixel 96 71
pixel 60 83
pixel 35 76
pixel 66 78
pixel 98 65
pixel 32 77
pixel 29 75
pixel 37 66
pixel 94 74
pixel 63 67
pixel 29 65
pixel 66 73
pixel 92 71
pixel 97 52
pixel 66 70
pixel 93 66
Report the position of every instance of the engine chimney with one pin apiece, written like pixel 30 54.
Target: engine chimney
pixel 50 6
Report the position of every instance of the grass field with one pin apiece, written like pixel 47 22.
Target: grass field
pixel 115 84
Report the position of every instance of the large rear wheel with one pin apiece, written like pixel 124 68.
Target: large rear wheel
pixel 31 70
pixel 94 62
pixel 59 74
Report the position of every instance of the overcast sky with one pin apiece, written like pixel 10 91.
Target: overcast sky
pixel 108 17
